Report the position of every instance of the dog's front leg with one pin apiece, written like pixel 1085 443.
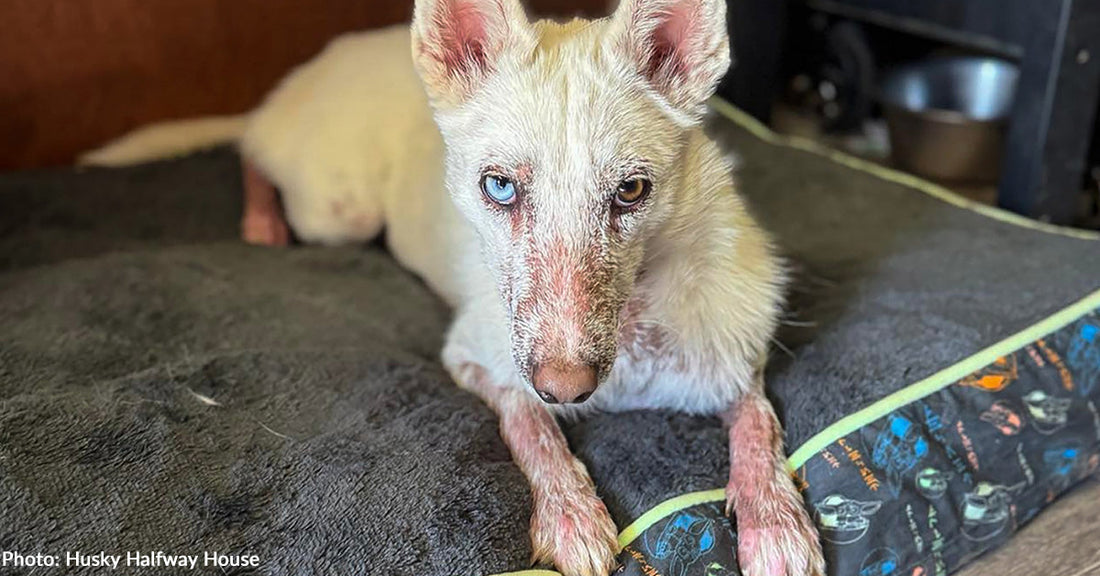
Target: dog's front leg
pixel 570 526
pixel 775 534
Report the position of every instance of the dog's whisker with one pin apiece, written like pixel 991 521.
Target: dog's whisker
pixel 782 347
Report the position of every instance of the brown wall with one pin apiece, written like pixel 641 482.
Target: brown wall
pixel 74 73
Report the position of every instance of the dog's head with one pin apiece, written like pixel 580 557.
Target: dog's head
pixel 565 146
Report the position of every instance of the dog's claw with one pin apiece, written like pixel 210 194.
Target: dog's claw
pixel 574 532
pixel 778 551
pixel 785 543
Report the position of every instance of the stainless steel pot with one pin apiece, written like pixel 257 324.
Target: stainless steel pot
pixel 947 116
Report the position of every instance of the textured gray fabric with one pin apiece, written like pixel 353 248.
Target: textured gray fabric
pixel 338 445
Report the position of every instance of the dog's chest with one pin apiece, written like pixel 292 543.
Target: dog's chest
pixel 656 369
pixel 649 371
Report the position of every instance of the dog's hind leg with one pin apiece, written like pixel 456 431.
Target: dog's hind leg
pixel 570 525
pixel 332 201
pixel 263 221
pixel 775 534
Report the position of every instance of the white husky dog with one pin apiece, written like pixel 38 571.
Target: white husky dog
pixel 570 208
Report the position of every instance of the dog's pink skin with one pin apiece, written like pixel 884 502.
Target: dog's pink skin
pixel 559 291
pixel 775 536
pixel 562 300
pixel 669 40
pixel 570 526
pixel 642 340
pixel 262 223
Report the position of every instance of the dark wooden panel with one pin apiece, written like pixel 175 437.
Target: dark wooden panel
pixel 1002 26
pixel 1046 153
pixel 74 73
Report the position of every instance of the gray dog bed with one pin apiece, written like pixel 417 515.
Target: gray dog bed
pixel 164 388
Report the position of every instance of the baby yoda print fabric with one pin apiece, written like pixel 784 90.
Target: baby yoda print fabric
pixel 934 483
pixel 945 478
pixel 696 540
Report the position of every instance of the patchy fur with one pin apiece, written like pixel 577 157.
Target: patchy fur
pixel 570 526
pixel 670 303
pixel 776 537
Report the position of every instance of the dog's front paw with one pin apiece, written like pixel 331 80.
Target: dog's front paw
pixel 779 551
pixel 775 537
pixel 573 531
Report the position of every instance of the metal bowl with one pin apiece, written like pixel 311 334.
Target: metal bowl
pixel 947 117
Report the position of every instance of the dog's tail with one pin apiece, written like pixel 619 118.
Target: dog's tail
pixel 166 140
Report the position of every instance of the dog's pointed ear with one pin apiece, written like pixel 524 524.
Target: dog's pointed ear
pixel 681 47
pixel 457 44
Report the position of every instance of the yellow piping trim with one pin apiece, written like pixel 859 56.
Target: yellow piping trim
pixel 942 379
pixel 667 508
pixel 764 133
pixel 857 420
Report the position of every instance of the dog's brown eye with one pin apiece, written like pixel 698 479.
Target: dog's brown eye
pixel 632 191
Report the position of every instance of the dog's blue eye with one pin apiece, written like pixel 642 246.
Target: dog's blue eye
pixel 498 188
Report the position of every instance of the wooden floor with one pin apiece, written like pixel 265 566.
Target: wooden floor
pixel 1064 540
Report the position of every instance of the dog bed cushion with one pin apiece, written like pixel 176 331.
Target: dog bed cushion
pixel 164 388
